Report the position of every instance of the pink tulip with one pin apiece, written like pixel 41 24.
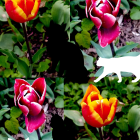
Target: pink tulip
pixel 30 99
pixel 103 14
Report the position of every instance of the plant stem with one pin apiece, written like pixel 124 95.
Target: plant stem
pixel 38 134
pixel 100 132
pixel 112 49
pixel 27 43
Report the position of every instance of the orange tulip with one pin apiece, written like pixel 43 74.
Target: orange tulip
pixel 97 111
pixel 22 10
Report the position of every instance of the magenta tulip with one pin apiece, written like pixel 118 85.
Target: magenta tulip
pixel 103 14
pixel 30 99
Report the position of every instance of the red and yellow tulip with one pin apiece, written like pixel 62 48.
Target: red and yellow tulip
pixel 97 111
pixel 22 10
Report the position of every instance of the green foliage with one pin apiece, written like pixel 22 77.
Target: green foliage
pixel 135 13
pixel 59 102
pixel 12 125
pixel 3 14
pixel 83 39
pixel 87 24
pixel 15 112
pixel 43 66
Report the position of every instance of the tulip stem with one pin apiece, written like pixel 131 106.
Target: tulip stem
pixel 38 134
pixel 100 132
pixel 112 49
pixel 27 43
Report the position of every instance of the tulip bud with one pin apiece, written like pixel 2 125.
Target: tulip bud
pixel 22 10
pixel 30 99
pixel 97 111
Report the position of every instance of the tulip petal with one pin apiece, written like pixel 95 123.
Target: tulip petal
pixel 105 108
pixel 113 103
pixel 91 116
pixel 96 20
pixel 106 36
pixel 108 20
pixel 34 122
pixel 89 90
pixel 40 87
pixel 117 4
pixel 34 10
pixel 18 83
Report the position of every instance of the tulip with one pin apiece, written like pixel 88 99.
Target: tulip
pixel 103 14
pixel 22 10
pixel 97 111
pixel 30 99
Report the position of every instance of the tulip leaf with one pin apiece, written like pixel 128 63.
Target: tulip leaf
pixel 134 117
pixel 126 49
pixel 43 66
pixel 12 125
pixel 18 51
pixel 125 5
pixel 138 132
pixel 22 67
pixel 49 93
pixel 31 136
pixel 59 86
pixel 3 111
pixel 7 42
pixel 73 23
pixel 122 124
pixel 131 54
pixel 47 136
pixel 137 2
pixel 87 24
pixel 3 14
pixel 99 72
pixel 59 102
pixel 102 52
pixel 4 132
pixel 38 55
pixel 88 61
pixel 15 112
pixel 75 116
pixel 83 39
pixel 26 60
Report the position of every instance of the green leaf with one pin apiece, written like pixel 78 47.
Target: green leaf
pixel 22 67
pixel 99 72
pixel 47 136
pixel 75 116
pixel 73 23
pixel 15 112
pixel 137 2
pixel 24 46
pixel 3 61
pixel 12 125
pixel 49 93
pixel 102 52
pixel 88 61
pixel 39 27
pixel 45 19
pixel 83 39
pixel 3 111
pixel 57 12
pixel 31 136
pixel 37 56
pixel 116 131
pixel 7 73
pixel 125 49
pixel 104 93
pixel 87 24
pixel 138 132
pixel 19 36
pixel 59 86
pixel 134 117
pixel 125 5
pixel 135 13
pixel 131 54
pixel 43 66
pixel 18 51
pixel 122 124
pixel 10 55
pixel 59 102
pixel 26 60
pixel 4 132
pixel 7 42
pixel 3 14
